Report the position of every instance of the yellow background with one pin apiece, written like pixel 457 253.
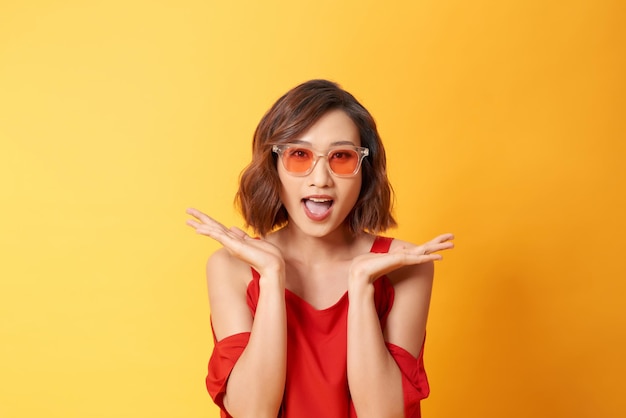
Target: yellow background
pixel 504 123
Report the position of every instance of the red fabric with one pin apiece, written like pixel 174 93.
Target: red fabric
pixel 414 382
pixel 316 381
pixel 226 352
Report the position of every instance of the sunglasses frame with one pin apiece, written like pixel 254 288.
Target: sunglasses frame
pixel 362 152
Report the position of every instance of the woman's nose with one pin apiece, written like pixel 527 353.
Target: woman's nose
pixel 321 175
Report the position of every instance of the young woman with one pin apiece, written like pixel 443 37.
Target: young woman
pixel 318 316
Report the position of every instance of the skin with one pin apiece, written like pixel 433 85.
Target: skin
pixel 319 261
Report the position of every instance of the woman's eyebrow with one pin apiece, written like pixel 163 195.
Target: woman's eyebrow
pixel 300 142
pixel 332 144
pixel 342 143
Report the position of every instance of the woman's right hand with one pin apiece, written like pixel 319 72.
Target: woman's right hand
pixel 264 257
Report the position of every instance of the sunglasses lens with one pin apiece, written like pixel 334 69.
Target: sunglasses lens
pixel 343 161
pixel 300 160
pixel 297 160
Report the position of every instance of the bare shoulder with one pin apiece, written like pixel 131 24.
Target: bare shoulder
pixel 227 282
pixel 222 264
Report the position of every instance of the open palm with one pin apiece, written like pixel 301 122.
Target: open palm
pixel 371 266
pixel 258 253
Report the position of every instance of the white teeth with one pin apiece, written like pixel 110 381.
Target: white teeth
pixel 316 200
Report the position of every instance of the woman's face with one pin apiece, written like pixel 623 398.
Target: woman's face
pixel 319 202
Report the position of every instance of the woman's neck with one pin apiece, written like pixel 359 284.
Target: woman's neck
pixel 340 245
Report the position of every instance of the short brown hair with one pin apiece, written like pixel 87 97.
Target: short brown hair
pixel 259 186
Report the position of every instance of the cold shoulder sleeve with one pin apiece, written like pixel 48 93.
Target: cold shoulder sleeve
pixel 414 382
pixel 226 352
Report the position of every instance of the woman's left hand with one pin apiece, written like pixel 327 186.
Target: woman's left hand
pixel 371 266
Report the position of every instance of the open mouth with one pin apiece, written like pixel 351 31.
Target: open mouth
pixel 318 206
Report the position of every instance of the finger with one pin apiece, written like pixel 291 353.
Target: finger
pixel 414 257
pixel 410 258
pixel 193 223
pixel 238 232
pixel 442 238
pixel 422 258
pixel 433 248
pixel 205 229
pixel 442 242
pixel 194 212
pixel 203 217
pixel 425 249
pixel 233 238
pixel 211 228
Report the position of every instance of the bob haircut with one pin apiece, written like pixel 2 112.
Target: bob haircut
pixel 295 112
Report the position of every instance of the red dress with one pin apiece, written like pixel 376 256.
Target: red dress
pixel 316 382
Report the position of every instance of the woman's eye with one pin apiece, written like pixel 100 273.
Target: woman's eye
pixel 299 153
pixel 341 155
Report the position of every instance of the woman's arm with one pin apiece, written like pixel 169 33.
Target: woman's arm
pixel 374 377
pixel 256 383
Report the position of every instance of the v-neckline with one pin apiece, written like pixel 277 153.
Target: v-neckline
pixel 304 302
pixel 342 299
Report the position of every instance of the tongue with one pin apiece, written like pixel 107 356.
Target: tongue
pixel 317 207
